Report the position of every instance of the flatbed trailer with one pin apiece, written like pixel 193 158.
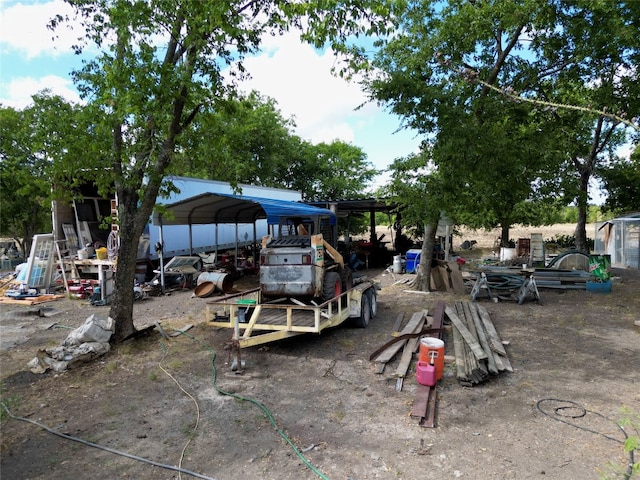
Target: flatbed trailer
pixel 255 322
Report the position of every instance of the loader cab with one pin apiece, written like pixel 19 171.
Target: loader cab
pixel 306 226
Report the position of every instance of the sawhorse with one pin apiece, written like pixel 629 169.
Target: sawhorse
pixel 529 287
pixel 481 283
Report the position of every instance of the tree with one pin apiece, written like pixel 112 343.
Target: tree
pixel 247 140
pixel 22 193
pixel 488 151
pixel 487 83
pixel 160 64
pixel 416 187
pixel 622 182
pixel 242 140
pixel 338 171
pixel 49 128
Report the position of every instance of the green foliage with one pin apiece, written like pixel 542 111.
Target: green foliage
pixel 339 171
pixel 243 140
pixel 630 422
pixel 247 140
pixel 491 105
pixel 570 214
pixel 622 182
pixel 160 65
pixel 11 403
pixel 566 242
pixel 29 140
pixel 416 187
pixel 46 152
pixel 384 219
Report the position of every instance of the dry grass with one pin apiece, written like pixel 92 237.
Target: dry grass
pixel 487 238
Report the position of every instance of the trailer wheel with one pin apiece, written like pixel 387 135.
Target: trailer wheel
pixel 373 301
pixel 365 312
pixel 332 286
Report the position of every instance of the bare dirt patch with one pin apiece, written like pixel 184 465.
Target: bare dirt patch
pixel 167 400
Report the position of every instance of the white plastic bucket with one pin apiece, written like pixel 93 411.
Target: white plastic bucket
pixel 508 253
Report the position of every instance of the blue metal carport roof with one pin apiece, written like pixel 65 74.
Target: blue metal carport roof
pixel 219 208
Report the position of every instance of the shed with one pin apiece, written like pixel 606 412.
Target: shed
pixel 620 238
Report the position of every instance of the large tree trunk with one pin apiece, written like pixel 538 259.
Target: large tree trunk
pixel 504 234
pixel 581 226
pixel 424 268
pixel 601 138
pixel 122 300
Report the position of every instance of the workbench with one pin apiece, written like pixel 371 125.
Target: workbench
pixel 102 268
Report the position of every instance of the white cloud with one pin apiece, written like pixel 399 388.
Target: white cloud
pixel 20 90
pixel 299 78
pixel 24 29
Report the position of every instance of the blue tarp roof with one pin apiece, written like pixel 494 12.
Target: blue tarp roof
pixel 220 208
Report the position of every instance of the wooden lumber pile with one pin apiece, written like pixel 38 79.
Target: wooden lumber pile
pixel 413 327
pixel 479 351
pixel 30 300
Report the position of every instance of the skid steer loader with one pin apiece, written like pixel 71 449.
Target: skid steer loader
pixel 301 260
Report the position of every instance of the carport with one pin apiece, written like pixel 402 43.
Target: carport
pixel 218 208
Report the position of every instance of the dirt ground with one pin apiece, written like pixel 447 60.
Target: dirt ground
pixel 177 403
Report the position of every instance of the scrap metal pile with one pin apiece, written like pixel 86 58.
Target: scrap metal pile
pixel 479 351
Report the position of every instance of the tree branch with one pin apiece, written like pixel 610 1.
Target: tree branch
pixel 502 57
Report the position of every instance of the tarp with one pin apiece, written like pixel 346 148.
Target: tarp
pixel 219 208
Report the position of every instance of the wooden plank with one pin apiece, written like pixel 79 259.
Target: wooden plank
pixel 466 334
pixel 482 336
pixel 413 326
pixel 494 339
pixel 456 278
pixel 499 363
pixel 30 301
pixel 407 356
pixel 444 277
pixel 397 323
pixel 436 281
pixel 506 362
pixel 461 373
pixel 438 317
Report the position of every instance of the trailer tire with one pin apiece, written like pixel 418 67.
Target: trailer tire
pixel 373 301
pixel 365 312
pixel 332 286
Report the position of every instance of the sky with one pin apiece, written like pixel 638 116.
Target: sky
pixel 295 75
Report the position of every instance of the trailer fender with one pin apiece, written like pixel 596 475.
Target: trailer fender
pixel 363 305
